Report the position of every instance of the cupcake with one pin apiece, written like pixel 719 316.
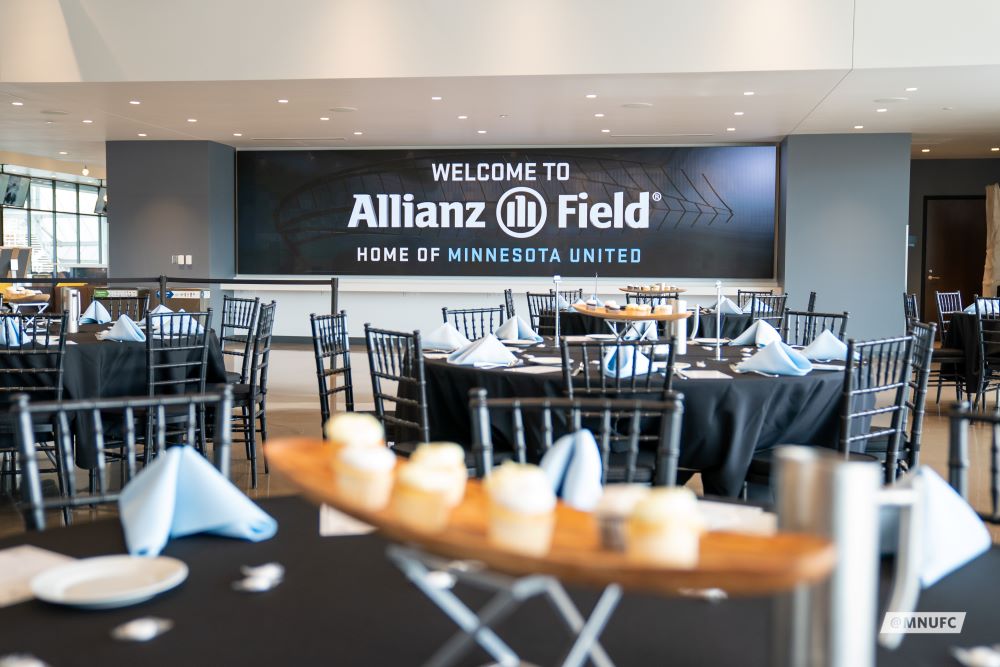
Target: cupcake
pixel 663 309
pixel 354 429
pixel 638 308
pixel 364 476
pixel 613 509
pixel 422 497
pixel 665 529
pixel 521 509
pixel 449 458
pixel 611 303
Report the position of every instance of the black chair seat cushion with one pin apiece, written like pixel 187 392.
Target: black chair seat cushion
pixel 232 377
pixel 947 354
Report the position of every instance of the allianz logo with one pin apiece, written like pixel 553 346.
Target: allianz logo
pixel 520 212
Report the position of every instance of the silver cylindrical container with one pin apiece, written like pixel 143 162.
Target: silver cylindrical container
pixel 832 624
pixel 71 302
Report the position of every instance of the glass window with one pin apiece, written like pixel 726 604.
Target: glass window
pixel 88 199
pixel 91 249
pixel 15 227
pixel 43 248
pixel 40 194
pixel 67 236
pixel 66 197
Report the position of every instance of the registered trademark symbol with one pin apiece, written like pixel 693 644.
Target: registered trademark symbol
pixel 657 196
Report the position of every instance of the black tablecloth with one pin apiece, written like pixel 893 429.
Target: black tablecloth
pixel 342 603
pixel 962 336
pixel 732 325
pixel 573 323
pixel 725 420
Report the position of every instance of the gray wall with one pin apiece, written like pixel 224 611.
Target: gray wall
pixel 843 220
pixel 929 178
pixel 171 198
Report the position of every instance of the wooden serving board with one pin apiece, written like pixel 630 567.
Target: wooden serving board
pixel 737 563
pixel 622 316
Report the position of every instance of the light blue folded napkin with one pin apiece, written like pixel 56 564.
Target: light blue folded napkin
pixel 487 351
pixel 10 334
pixel 96 313
pixel 516 328
pixel 826 346
pixel 626 362
pixel 984 306
pixel 596 301
pixel 562 304
pixel 125 330
pixel 445 337
pixel 726 307
pixel 776 358
pixel 178 325
pixel 181 493
pixel 760 333
pixel 160 309
pixel 573 466
pixel 642 330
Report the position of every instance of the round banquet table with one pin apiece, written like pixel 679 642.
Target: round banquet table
pixel 732 325
pixel 572 323
pixel 341 602
pixel 725 420
pixel 962 336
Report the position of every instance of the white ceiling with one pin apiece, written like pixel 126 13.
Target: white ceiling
pixel 520 71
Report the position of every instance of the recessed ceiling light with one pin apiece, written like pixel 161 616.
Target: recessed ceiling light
pixel 85 171
pixel 358 134
pixel 282 101
pixel 136 102
pixel 737 113
pixel 190 120
pixel 730 129
pixel 50 122
pixel 606 131
pixel 324 118
pixel 481 131
pixel 17 104
pixel 947 108
pixel 591 96
pixel 88 121
pixel 859 127
pixel 462 117
pixel 142 134
pixel 995 149
pixel 436 98
pixel 748 93
pixel 63 153
pixel 882 110
pixel 925 150
pixel 237 134
pixel 911 90
pixel 598 115
pixel 504 115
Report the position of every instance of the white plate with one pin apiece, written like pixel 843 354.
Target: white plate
pixel 520 343
pixel 602 337
pixel 549 361
pixel 681 365
pixel 711 341
pixel 106 582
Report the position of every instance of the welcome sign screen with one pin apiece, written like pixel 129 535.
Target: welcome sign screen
pixel 673 212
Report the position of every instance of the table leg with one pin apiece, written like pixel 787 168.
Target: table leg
pixel 587 637
pixel 574 620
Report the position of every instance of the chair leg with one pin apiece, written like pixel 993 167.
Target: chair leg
pixel 244 419
pixel 251 436
pixel 263 433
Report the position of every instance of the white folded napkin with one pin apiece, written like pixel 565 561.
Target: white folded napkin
pixel 10 334
pixel 177 324
pixel 561 303
pixel 516 328
pixel 181 493
pixel 642 330
pixel 984 306
pixel 726 307
pixel 626 362
pixel 445 337
pixel 776 358
pixel 96 313
pixel 760 333
pixel 573 466
pixel 486 350
pixel 124 330
pixel 160 310
pixel 826 346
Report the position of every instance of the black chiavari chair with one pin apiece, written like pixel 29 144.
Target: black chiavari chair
pixel 396 362
pixel 474 323
pixel 570 296
pixel 542 421
pixel 250 398
pixel 948 303
pixel 988 339
pixel 539 305
pixel 508 301
pixel 768 307
pixel 811 306
pixel 911 314
pixel 183 408
pixel 239 316
pixel 960 418
pixel 135 307
pixel 331 348
pixel 584 376
pixel 801 328
pixel 744 297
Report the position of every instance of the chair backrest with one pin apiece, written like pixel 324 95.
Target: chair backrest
pixel 31 357
pixel 961 417
pixel 260 353
pixel 744 296
pixel 811 306
pixel 508 300
pixel 539 304
pixel 474 323
pixel 332 350
pixel 133 306
pixel 911 313
pixel 584 361
pixel 947 303
pixel 117 414
pixel 396 362
pixel 239 317
pixel 177 352
pixel 570 295
pixel 801 328
pixel 875 367
pixel 768 307
pixel 543 420
pixel 923 349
